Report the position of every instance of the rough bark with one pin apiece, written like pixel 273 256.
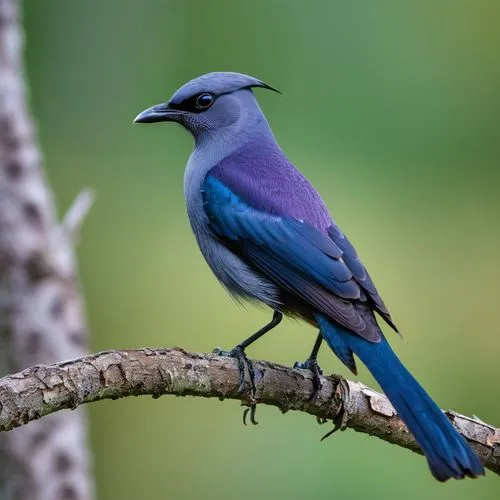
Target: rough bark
pixel 41 317
pixel 42 390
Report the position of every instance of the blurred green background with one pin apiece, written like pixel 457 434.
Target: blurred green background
pixel 391 109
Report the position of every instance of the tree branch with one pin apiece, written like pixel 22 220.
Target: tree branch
pixel 45 389
pixel 77 212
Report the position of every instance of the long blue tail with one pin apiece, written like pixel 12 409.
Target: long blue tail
pixel 447 452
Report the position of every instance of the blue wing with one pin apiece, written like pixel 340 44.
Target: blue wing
pixel 322 271
pixel 360 274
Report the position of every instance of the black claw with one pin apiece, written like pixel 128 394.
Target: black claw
pixel 317 372
pixel 329 433
pixel 239 354
pixel 252 410
pixel 244 363
pixel 312 364
pixel 338 424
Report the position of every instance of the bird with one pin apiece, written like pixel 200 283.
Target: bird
pixel 268 237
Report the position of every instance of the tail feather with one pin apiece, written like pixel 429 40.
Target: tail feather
pixel 447 452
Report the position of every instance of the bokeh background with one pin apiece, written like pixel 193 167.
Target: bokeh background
pixel 391 109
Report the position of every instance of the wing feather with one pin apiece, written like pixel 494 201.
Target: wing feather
pixel 322 270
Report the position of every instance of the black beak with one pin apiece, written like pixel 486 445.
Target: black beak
pixel 158 113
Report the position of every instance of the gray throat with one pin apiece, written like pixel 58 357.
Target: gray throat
pixel 210 149
pixel 212 146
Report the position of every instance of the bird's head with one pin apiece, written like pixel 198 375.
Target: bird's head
pixel 210 102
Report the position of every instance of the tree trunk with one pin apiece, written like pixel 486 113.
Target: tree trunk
pixel 41 314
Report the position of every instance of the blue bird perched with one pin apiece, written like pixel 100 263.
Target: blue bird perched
pixel 267 236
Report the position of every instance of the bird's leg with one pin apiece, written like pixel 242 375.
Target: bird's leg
pixel 239 354
pixel 311 363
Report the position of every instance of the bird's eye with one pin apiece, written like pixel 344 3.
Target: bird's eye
pixel 204 101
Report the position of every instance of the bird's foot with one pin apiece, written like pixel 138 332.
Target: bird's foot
pixel 244 364
pixel 312 364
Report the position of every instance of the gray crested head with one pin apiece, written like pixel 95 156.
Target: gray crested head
pixel 216 102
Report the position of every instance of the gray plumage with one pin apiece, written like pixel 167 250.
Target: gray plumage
pixel 234 120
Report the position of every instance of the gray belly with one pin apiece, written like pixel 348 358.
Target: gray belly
pixel 239 279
